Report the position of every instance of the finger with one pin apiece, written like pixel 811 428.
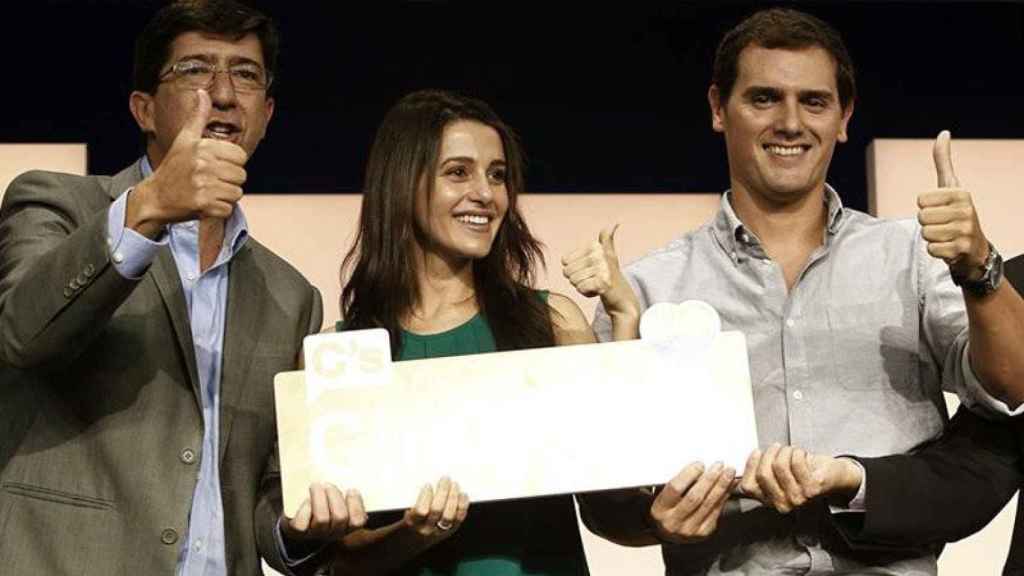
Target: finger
pixel 768 483
pixel 590 287
pixel 582 262
pixel 356 509
pixel 943 214
pixel 321 509
pixel 672 493
pixel 228 152
pixel 714 503
pixel 422 507
pixel 463 509
pixel 582 275
pixel 451 506
pixel 338 523
pixel 782 468
pixel 300 523
pixel 217 209
pixel 748 483
pixel 200 117
pixel 949 251
pixel 802 473
pixel 607 239
pixel 693 499
pixel 229 173
pixel 444 486
pixel 944 161
pixel 944 232
pixel 575 255
pixel 935 198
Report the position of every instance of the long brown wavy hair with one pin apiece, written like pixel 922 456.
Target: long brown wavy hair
pixel 382 287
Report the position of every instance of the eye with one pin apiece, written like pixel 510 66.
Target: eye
pixel 245 74
pixel 498 175
pixel 816 102
pixel 762 99
pixel 457 172
pixel 192 68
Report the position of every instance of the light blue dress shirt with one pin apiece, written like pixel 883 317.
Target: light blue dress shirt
pixel 202 552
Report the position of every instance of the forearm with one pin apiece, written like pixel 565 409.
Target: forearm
pixel 57 285
pixel 620 516
pixel 375 551
pixel 996 331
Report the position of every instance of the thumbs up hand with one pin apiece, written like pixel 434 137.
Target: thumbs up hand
pixel 594 271
pixel 949 222
pixel 199 177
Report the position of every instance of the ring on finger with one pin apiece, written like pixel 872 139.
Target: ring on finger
pixel 444 525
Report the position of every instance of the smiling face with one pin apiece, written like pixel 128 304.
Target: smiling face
pixel 781 122
pixel 238 117
pixel 461 216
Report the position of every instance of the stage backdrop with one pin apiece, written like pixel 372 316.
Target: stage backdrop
pixel 313 232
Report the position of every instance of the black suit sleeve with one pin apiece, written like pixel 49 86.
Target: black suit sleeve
pixel 945 491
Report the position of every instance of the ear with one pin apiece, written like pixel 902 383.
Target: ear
pixel 269 104
pixel 717 109
pixel 847 113
pixel 142 106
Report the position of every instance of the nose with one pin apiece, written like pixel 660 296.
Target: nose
pixel 481 190
pixel 222 90
pixel 788 122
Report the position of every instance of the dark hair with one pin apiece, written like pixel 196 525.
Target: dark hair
pixel 221 17
pixel 783 28
pixel 382 286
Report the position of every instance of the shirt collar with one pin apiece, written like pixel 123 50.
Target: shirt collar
pixel 236 229
pixel 735 238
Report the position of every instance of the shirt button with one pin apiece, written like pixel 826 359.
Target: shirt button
pixel 197 545
pixel 168 536
pixel 68 292
pixel 790 322
pixel 110 241
pixel 89 270
pixel 118 257
pixel 798 395
pixel 190 277
pixel 188 456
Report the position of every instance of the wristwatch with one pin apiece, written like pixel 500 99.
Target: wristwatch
pixel 991 275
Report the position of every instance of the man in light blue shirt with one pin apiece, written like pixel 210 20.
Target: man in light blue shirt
pixel 140 329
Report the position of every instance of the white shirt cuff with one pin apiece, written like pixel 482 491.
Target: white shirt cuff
pixel 979 399
pixel 130 252
pixel 288 560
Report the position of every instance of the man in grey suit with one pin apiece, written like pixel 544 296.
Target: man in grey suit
pixel 140 330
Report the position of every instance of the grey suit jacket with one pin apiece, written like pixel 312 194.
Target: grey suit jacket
pixel 98 391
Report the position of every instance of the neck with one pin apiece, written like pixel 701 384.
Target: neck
pixel 446 292
pixel 801 221
pixel 211 240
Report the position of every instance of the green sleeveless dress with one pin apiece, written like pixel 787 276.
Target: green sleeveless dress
pixel 531 537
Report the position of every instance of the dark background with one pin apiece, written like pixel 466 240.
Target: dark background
pixel 606 99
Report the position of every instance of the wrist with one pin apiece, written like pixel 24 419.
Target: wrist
pixel 141 214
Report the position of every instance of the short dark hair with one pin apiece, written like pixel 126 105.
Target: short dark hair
pixel 782 28
pixel 229 18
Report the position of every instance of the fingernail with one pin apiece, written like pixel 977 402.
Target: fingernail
pixel 716 468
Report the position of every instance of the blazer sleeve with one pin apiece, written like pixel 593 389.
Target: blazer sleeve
pixel 58 288
pixel 270 505
pixel 945 491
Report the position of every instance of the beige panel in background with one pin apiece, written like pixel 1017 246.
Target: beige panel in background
pixel 993 171
pixel 18 158
pixel 313 232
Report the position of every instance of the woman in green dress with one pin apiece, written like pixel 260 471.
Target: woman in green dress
pixel 444 261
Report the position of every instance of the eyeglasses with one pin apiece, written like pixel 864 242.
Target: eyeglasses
pixel 196 74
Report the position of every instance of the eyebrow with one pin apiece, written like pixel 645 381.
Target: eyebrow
pixel 213 59
pixel 812 93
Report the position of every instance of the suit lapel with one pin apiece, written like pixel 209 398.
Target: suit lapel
pixel 165 274
pixel 246 295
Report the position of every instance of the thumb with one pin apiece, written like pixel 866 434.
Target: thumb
pixel 944 161
pixel 607 238
pixel 196 123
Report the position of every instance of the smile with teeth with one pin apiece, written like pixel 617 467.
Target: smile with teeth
pixel 220 131
pixel 473 219
pixel 780 150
